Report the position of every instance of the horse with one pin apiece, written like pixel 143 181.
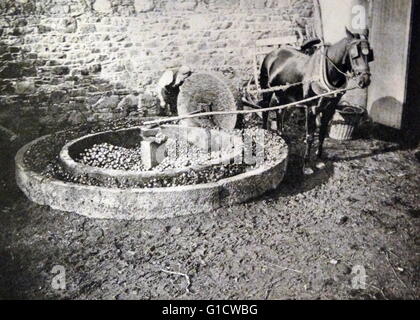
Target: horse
pixel 307 75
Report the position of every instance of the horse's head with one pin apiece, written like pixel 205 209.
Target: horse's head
pixel 358 56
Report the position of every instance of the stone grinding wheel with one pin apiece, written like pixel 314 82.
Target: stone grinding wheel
pixel 205 92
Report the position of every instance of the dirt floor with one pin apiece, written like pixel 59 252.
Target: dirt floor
pixel 361 212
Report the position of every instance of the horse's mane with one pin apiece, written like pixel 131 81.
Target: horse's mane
pixel 309 44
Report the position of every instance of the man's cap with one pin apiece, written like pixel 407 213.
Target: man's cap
pixel 184 70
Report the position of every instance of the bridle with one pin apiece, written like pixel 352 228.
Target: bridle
pixel 357 49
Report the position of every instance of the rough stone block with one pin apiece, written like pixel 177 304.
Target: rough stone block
pixel 260 4
pixel 6 87
pixel 95 68
pixel 144 5
pixel 68 25
pixel 149 153
pixel 87 28
pixel 11 70
pixel 25 87
pixel 75 117
pixel 128 104
pixel 106 103
pixel 182 5
pixel 102 6
pixel 61 70
pixel 245 4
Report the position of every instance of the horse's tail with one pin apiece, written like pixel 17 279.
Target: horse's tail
pixel 264 79
pixel 263 76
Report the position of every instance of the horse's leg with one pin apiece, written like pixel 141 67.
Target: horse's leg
pixel 279 121
pixel 265 103
pixel 265 120
pixel 326 116
pixel 310 132
pixel 282 115
pixel 275 102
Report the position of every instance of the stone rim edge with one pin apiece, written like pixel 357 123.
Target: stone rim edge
pixel 213 192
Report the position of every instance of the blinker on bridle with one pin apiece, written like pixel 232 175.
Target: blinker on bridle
pixel 365 50
pixel 353 53
pixel 360 49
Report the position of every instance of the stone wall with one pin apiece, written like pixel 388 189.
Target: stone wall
pixel 66 61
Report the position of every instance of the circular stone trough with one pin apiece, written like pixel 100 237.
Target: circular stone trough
pixel 204 139
pixel 140 203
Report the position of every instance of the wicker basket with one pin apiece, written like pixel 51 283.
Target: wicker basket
pixel 345 122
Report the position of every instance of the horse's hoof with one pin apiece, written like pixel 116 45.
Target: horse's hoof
pixel 320 165
pixel 308 171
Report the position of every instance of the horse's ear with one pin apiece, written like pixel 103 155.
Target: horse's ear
pixel 366 33
pixel 350 35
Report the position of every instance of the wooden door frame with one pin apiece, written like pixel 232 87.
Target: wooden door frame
pixel 411 114
pixel 395 106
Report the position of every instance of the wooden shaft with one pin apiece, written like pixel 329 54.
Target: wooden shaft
pixel 217 113
pixel 277 88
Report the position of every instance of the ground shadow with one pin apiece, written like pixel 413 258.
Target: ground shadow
pixel 9 192
pixel 17 275
pixel 364 155
pixel 295 182
pixel 376 131
pixel 417 154
pixel 371 139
